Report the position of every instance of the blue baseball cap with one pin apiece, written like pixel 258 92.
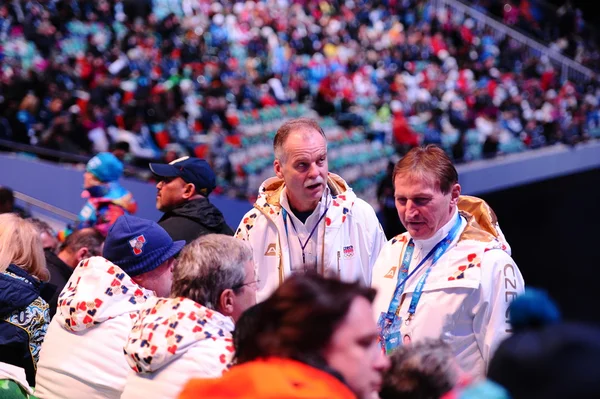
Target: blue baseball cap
pixel 105 166
pixel 138 245
pixel 192 170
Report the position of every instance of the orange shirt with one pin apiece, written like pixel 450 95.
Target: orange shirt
pixel 272 378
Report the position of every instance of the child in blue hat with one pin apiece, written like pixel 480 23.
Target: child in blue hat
pixel 106 198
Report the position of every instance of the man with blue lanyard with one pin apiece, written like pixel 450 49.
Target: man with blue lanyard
pixel 307 219
pixel 450 276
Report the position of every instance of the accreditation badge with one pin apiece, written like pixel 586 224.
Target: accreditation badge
pixel 390 336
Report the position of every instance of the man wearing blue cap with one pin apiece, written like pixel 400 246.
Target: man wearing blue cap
pixel 183 191
pixel 82 354
pixel 106 198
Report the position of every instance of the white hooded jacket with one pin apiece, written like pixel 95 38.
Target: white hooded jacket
pixel 466 297
pixel 174 340
pixel 349 239
pixel 82 354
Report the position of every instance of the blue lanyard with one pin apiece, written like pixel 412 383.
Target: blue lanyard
pixel 303 246
pixel 437 252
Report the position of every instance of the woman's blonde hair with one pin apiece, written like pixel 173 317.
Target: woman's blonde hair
pixel 20 244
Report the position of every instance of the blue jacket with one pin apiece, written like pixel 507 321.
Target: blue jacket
pixel 24 319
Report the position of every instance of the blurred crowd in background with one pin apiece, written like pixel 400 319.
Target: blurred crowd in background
pixel 157 80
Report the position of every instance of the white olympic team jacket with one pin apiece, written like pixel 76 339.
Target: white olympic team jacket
pixel 465 298
pixel 173 341
pixel 351 233
pixel 82 354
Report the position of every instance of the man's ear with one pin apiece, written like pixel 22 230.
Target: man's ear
pixel 226 302
pixel 139 280
pixel 82 253
pixel 172 263
pixel 455 194
pixel 189 190
pixel 277 167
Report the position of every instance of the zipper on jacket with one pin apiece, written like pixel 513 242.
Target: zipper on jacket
pixel 338 264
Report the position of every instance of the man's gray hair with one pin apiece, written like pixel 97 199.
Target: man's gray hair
pixel 42 227
pixel 424 369
pixel 208 266
pixel 288 128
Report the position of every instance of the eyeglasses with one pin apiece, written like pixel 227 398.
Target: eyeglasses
pixel 238 286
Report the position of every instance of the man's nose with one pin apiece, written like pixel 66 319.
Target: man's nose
pixel 411 208
pixel 382 362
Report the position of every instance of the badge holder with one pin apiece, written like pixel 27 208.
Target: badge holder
pixel 390 334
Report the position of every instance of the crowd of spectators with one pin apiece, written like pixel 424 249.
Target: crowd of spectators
pixel 562 28
pixel 162 79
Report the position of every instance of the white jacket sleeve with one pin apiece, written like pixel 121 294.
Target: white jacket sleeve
pixel 378 240
pixel 377 237
pixel 373 237
pixel 501 282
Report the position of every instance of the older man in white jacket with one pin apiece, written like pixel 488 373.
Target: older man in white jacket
pixel 189 334
pixel 450 276
pixel 307 219
pixel 82 354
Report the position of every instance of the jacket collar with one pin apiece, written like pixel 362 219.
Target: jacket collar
pixel 17 289
pixel 427 244
pixel 269 199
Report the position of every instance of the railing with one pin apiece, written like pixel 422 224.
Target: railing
pixel 569 69
pixel 45 152
pixel 30 201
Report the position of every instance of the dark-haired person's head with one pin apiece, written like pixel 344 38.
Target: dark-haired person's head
pixel 327 324
pixel 245 332
pixel 7 200
pixel 182 180
pixel 80 245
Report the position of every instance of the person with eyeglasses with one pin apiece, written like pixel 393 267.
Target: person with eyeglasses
pixel 313 338
pixel 307 219
pixel 189 334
